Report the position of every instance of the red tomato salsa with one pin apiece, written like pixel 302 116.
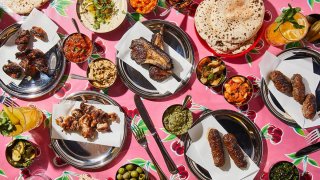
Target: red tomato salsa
pixel 77 48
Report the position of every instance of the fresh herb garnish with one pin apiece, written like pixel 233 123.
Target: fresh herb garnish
pixel 287 16
pixel 6 127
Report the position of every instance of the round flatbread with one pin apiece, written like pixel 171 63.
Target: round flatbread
pixel 241 47
pixel 24 6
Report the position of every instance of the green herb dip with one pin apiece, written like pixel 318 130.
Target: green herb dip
pixel 177 120
pixel 284 171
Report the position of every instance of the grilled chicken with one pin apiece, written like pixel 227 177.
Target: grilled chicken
pixel 33 61
pixel 38 32
pixel 23 39
pixel 13 70
pixel 143 52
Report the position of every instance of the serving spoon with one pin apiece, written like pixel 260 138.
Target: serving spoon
pixel 76 25
pixel 79 77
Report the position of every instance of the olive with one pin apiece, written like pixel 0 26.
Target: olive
pixel 134 174
pixel 133 179
pixel 129 167
pixel 139 170
pixel 126 175
pixel 121 171
pixel 119 176
pixel 142 177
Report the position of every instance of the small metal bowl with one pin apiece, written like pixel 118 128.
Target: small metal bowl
pixel 183 106
pixel 206 60
pixel 247 99
pixel 283 162
pixel 89 54
pixel 181 7
pixel 9 150
pixel 146 12
pixel 135 167
pixel 92 81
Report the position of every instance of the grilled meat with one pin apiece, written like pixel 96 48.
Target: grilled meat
pixel 281 82
pixel 216 147
pixel 157 39
pixel 309 106
pixel 230 142
pixel 23 39
pixel 38 32
pixel 13 70
pixel 298 89
pixel 143 52
pixel 86 130
pixel 33 61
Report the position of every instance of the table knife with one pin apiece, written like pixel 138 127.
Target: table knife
pixel 308 150
pixel 147 120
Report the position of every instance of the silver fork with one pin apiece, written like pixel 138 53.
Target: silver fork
pixel 142 140
pixel 7 101
pixel 313 136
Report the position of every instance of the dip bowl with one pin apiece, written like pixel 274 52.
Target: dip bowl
pixel 283 168
pixel 126 171
pixel 176 116
pixel 151 8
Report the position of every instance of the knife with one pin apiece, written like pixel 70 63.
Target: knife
pixel 147 120
pixel 308 150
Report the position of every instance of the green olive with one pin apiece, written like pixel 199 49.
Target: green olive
pixel 119 177
pixel 121 171
pixel 126 175
pixel 142 177
pixel 133 179
pixel 139 170
pixel 134 174
pixel 129 167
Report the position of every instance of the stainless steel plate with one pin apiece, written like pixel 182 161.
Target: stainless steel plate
pixel 271 102
pixel 246 132
pixel 177 39
pixel 87 155
pixel 42 85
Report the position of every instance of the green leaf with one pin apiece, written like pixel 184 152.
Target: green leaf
pixel 61 6
pixel 63 177
pixel 136 16
pixel 105 90
pixel 2 173
pixel 254 51
pixel 152 167
pixel 299 131
pixel 21 137
pixel 169 137
pixel 291 156
pixel 311 3
pixel 293 44
pixel 162 3
pixel 313 162
pixel 264 130
pixel 297 161
pixel 142 126
pixel 138 161
pixel 317 1
pixel 95 56
pixel 249 59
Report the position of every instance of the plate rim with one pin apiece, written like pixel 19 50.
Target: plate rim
pixel 38 94
pixel 209 112
pixel 114 156
pixel 265 91
pixel 137 90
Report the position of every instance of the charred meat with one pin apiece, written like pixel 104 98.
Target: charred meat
pixel 309 106
pixel 38 32
pixel 216 146
pixel 298 89
pixel 281 82
pixel 33 61
pixel 143 52
pixel 13 70
pixel 23 39
pixel 236 154
pixel 157 39
pixel 159 74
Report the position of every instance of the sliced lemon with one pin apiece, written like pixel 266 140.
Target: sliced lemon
pixel 18 131
pixel 20 116
pixel 8 110
pixel 289 32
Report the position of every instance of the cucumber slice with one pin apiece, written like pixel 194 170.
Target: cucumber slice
pixel 16 156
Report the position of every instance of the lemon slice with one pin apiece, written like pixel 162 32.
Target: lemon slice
pixel 289 32
pixel 18 131
pixel 9 111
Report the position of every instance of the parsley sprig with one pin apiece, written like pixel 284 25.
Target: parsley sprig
pixel 287 16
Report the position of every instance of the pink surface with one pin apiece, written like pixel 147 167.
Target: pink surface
pixel 278 143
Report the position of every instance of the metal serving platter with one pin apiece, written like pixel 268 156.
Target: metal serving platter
pixel 271 102
pixel 177 39
pixel 42 85
pixel 86 155
pixel 246 132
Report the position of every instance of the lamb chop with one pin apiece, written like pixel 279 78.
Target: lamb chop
pixel 23 39
pixel 13 70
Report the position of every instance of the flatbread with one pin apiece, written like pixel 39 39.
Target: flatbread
pixel 241 47
pixel 24 6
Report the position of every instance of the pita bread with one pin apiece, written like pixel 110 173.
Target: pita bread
pixel 24 6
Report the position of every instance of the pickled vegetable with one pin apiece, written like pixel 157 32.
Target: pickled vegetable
pixel 130 172
pixel 20 153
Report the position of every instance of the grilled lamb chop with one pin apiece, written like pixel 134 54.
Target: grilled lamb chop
pixel 143 52
pixel 13 70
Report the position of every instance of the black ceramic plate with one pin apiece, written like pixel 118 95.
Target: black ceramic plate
pixel 271 102
pixel 246 132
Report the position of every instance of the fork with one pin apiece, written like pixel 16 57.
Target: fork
pixel 7 101
pixel 142 140
pixel 313 136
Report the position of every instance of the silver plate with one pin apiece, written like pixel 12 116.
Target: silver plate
pixel 177 39
pixel 34 88
pixel 87 155
pixel 246 132
pixel 271 102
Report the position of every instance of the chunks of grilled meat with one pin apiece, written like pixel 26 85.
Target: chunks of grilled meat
pixel 23 39
pixel 38 32
pixel 230 142
pixel 298 89
pixel 143 52
pixel 33 61
pixel 13 70
pixel 281 82
pixel 309 106
pixel 157 38
pixel 217 151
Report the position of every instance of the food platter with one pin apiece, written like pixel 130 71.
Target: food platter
pixel 246 132
pixel 87 155
pixel 34 88
pixel 177 39
pixel 270 101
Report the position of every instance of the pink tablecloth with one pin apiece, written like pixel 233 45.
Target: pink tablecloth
pixel 278 146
